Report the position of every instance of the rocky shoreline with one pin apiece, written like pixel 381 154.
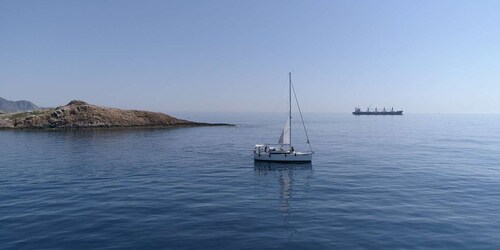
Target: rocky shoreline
pixel 81 115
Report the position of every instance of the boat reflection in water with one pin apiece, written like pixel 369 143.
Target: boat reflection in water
pixel 287 174
pixel 262 167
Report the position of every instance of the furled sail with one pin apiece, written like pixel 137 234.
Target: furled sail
pixel 285 134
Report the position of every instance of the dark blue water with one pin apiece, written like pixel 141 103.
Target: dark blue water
pixel 416 181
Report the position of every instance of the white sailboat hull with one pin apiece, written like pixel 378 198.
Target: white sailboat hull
pixel 284 151
pixel 283 157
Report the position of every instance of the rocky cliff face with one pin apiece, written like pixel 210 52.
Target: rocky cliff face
pixel 79 114
pixel 7 106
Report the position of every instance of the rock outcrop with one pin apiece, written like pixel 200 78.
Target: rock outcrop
pixel 79 114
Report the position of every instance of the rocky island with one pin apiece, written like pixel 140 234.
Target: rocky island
pixel 79 114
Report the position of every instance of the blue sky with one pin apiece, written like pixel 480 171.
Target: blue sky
pixel 234 56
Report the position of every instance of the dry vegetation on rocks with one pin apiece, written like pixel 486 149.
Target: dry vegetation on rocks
pixel 79 114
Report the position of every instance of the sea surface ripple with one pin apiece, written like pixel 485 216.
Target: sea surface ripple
pixel 412 181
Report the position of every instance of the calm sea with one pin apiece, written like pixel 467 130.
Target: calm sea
pixel 413 181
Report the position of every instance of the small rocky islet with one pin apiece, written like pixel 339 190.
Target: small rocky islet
pixel 79 114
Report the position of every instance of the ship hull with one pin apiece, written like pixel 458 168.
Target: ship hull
pixel 378 113
pixel 283 157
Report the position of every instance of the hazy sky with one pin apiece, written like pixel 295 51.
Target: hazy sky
pixel 176 56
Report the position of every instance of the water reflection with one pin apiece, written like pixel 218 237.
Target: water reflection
pixel 262 167
pixel 287 174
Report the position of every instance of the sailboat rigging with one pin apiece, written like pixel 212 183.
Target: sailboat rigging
pixel 284 151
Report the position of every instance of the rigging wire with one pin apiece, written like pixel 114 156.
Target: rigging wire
pixel 302 118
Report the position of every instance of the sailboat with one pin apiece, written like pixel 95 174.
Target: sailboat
pixel 283 151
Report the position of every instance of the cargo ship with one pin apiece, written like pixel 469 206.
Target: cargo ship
pixel 384 111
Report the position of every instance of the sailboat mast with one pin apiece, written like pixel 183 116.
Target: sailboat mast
pixel 290 105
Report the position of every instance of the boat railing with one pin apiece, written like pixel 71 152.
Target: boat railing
pixel 274 146
pixel 277 148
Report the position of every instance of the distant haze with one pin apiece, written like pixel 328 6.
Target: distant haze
pixel 7 106
pixel 234 56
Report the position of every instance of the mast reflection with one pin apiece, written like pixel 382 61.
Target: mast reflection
pixel 286 173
